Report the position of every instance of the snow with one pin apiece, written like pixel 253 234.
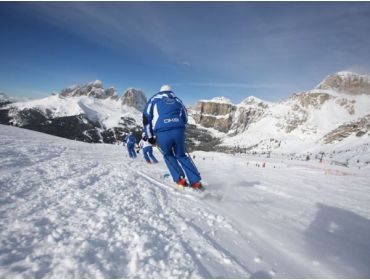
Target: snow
pixel 251 100
pixel 74 210
pixel 107 112
pixel 349 74
pixel 220 99
pixel 307 135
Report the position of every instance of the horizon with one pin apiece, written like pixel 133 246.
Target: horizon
pixel 241 49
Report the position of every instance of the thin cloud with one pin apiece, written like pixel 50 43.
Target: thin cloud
pixel 110 25
pixel 186 63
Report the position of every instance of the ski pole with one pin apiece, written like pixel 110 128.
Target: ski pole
pixel 186 150
pixel 166 158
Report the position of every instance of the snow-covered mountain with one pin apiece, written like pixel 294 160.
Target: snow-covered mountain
pixel 134 98
pixel 90 113
pixel 87 112
pixel 347 82
pixel 338 108
pixel 94 89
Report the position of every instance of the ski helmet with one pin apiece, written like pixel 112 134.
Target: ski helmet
pixel 165 88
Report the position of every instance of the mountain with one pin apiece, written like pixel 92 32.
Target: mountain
pixel 134 98
pixel 347 82
pixel 306 120
pixel 214 113
pixel 87 113
pixel 336 111
pixel 92 114
pixel 94 89
pixel 227 117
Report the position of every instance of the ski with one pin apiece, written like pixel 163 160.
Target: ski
pixel 167 180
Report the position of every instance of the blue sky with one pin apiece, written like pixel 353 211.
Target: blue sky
pixel 203 49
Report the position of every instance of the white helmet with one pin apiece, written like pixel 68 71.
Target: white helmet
pixel 165 88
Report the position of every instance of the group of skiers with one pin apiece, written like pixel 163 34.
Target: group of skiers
pixel 164 121
pixel 144 145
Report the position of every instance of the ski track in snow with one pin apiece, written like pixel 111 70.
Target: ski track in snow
pixel 75 210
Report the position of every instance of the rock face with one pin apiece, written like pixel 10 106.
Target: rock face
pixel 299 107
pixel 244 117
pixel 249 111
pixel 347 82
pixel 94 89
pixel 359 128
pixel 216 113
pixel 111 93
pixel 311 99
pixel 134 98
pixel 220 114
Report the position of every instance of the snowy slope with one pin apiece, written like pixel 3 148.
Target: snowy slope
pixel 74 210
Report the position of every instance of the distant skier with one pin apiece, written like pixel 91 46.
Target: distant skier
pixel 130 143
pixel 147 149
pixel 164 120
pixel 124 137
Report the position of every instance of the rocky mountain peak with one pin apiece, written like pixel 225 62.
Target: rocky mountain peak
pixel 96 83
pixel 93 89
pixel 134 98
pixel 252 100
pixel 312 98
pixel 346 82
pixel 111 92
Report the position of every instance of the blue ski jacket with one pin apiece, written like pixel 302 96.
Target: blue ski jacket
pixel 130 139
pixel 164 111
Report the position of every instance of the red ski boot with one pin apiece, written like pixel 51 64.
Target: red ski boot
pixel 182 182
pixel 197 185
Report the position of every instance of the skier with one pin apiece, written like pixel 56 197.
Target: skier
pixel 130 142
pixel 147 150
pixel 164 120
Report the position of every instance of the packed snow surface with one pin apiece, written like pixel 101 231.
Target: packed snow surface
pixel 75 210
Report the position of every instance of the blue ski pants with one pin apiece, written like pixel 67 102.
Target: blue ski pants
pixel 131 150
pixel 148 154
pixel 172 145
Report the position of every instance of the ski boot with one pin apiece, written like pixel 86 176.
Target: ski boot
pixel 197 186
pixel 182 183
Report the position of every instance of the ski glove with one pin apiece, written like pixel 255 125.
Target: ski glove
pixel 152 141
